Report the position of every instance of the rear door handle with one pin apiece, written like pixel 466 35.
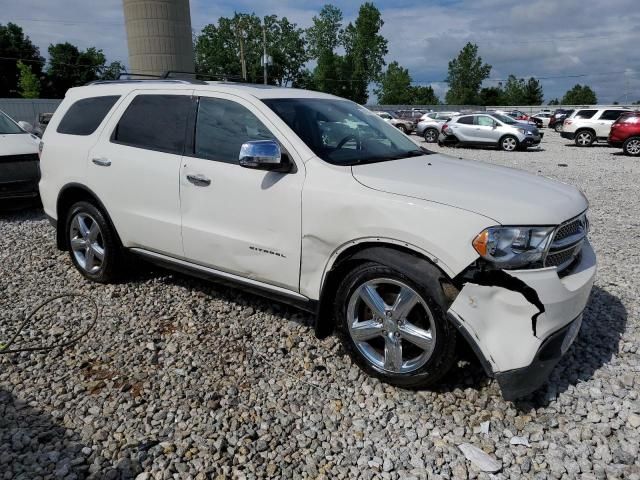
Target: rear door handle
pixel 199 180
pixel 101 161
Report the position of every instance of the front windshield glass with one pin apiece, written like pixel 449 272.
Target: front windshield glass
pixel 504 118
pixel 7 126
pixel 342 132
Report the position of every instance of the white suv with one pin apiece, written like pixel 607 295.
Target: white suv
pixel 317 201
pixel 588 125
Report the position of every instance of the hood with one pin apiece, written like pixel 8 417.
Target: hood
pixel 18 144
pixel 505 195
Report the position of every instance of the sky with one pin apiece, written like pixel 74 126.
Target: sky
pixel 560 42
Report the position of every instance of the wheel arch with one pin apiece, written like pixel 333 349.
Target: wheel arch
pixel 70 194
pixel 586 129
pixel 416 265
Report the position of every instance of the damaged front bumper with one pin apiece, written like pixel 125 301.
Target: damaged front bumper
pixel 521 325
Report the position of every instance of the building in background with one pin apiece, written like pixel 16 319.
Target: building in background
pixel 159 36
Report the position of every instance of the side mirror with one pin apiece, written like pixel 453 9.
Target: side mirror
pixel 26 126
pixel 263 155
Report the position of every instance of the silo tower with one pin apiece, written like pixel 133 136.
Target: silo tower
pixel 159 36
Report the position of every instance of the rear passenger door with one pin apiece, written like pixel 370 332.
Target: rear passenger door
pixel 604 122
pixel 134 168
pixel 464 129
pixel 238 220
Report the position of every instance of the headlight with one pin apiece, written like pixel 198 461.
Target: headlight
pixel 522 131
pixel 512 247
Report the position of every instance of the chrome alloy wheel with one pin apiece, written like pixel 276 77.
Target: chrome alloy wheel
pixel 509 144
pixel 584 138
pixel 86 242
pixel 633 147
pixel 391 325
pixel 431 135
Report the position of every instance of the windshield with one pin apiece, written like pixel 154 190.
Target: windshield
pixel 342 132
pixel 504 118
pixel 8 126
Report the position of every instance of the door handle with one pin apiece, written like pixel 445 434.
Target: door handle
pixel 101 161
pixel 199 180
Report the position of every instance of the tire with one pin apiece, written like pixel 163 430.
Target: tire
pixel 508 143
pixel 584 138
pixel 403 129
pixel 377 355
pixel 90 236
pixel 631 146
pixel 431 135
pixel 558 127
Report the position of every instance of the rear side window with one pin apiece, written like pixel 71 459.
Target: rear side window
pixel 84 116
pixel 222 127
pixel 466 120
pixel 611 114
pixel 155 122
pixel 585 113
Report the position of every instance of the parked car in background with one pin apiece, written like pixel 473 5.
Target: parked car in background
pixel 401 251
pixel 407 126
pixel 40 125
pixel 588 125
pixel 19 162
pixel 483 129
pixel 542 119
pixel 411 115
pixel 429 126
pixel 557 118
pixel 625 133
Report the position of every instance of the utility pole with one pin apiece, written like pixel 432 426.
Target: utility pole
pixel 243 63
pixel 264 44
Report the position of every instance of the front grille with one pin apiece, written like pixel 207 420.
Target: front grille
pixel 566 244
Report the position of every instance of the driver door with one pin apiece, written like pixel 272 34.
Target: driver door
pixel 238 220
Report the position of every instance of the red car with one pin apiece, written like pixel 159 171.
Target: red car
pixel 625 133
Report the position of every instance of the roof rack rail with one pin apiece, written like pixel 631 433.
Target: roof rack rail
pixel 170 76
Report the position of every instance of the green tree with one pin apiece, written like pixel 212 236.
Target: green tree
pixel 220 48
pixel 580 95
pixel 394 86
pixel 14 44
pixel 466 74
pixel 491 96
pixel 513 92
pixel 555 101
pixel 70 67
pixel 532 93
pixel 365 50
pixel 28 82
pixel 325 33
pixel 423 95
pixel 112 71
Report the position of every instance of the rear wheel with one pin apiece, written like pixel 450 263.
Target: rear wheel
pixel 508 143
pixel 93 244
pixel 393 328
pixel 558 127
pixel 584 138
pixel 403 128
pixel 431 135
pixel 631 146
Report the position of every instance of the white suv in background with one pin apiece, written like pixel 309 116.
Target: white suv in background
pixel 588 125
pixel 319 202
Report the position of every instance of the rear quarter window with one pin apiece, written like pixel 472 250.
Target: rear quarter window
pixel 466 120
pixel 585 114
pixel 84 116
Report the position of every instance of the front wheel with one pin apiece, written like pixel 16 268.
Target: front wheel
pixel 508 143
pixel 431 135
pixel 631 146
pixel 584 138
pixel 403 129
pixel 393 328
pixel 93 244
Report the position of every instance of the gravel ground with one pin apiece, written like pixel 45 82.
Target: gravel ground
pixel 179 378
